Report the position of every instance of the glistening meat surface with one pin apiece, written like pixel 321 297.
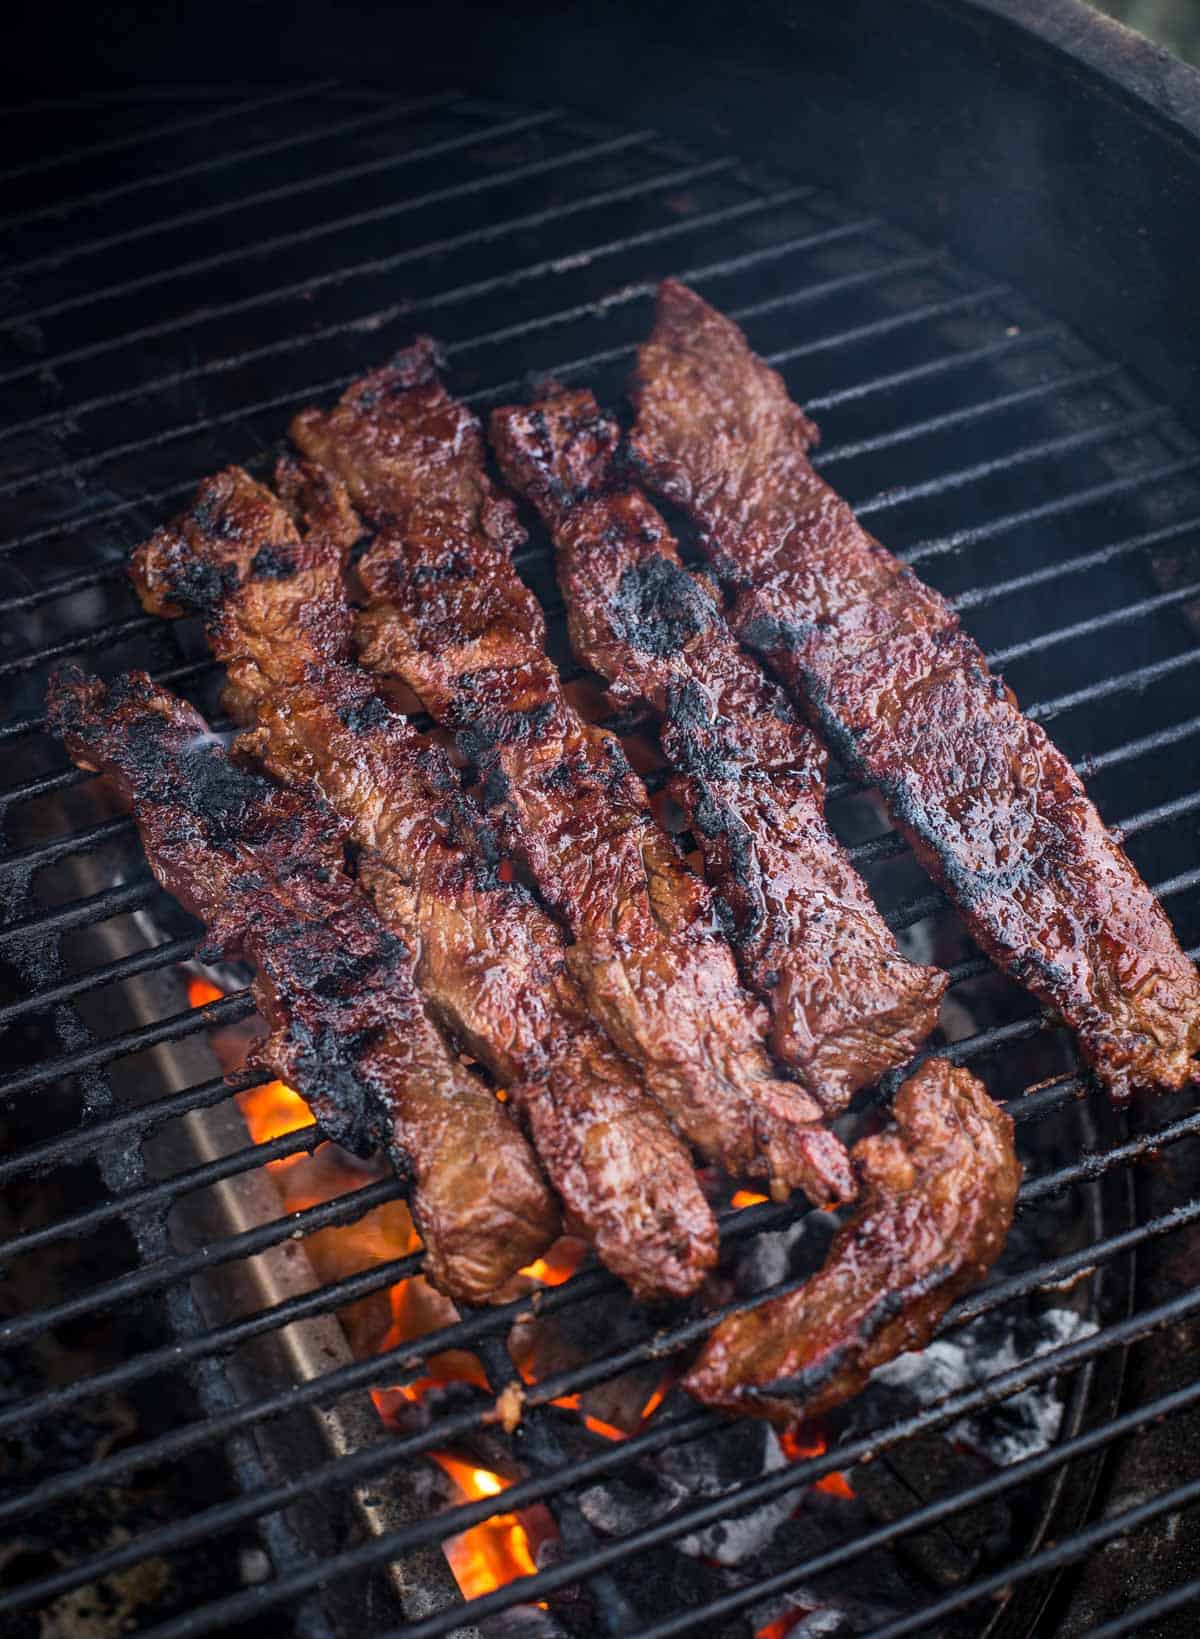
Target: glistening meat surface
pixel 992 809
pixel 448 614
pixel 262 868
pixel 488 959
pixel 937 1201
pixel 750 778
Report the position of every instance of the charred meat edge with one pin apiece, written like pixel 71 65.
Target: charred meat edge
pixel 878 660
pixel 937 1201
pixel 263 868
pixel 749 777
pixel 268 578
pixel 448 614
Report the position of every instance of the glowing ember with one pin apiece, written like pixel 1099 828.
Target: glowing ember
pixel 496 1551
pixel 747 1197
pixel 271 1110
pixel 795 1447
pixel 559 1264
pixel 783 1625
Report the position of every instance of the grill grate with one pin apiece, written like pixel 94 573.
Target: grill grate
pixel 179 293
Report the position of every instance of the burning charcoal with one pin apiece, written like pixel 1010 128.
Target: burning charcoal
pixel 688 1472
pixel 544 1345
pixel 918 1472
pixel 875 1589
pixel 791 1621
pixel 662 1583
pixel 1018 1427
pixel 522 1622
pixel 784 1254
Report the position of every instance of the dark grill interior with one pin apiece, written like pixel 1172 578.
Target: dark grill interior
pixel 182 277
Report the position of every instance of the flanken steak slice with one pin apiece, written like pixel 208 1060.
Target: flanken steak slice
pixel 991 807
pixel 749 776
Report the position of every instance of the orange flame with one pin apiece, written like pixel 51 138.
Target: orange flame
pixel 795 1447
pixel 497 1550
pixel 559 1264
pixel 783 1625
pixel 269 1111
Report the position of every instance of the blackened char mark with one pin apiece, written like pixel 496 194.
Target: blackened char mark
pixel 880 663
pixel 938 1196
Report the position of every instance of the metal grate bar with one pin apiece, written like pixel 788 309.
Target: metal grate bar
pixel 45 786
pixel 377 317
pixel 965 415
pixel 66 585
pixel 1176 884
pixel 81 913
pixel 408 1356
pixel 81 643
pixel 1096 623
pixel 944 364
pixel 219 162
pixel 311 390
pixel 125 967
pixel 1136 421
pixel 1141 1615
pixel 235 1607
pixel 137 1123
pixel 216 1340
pixel 1122 683
pixel 1154 816
pixel 976 595
pixel 973 534
pixel 1158 741
pixel 228 1010
pixel 304 183
pixel 1064 1553
pixel 168 1190
pixel 194 122
pixel 77 842
pixel 170 1271
pixel 475 185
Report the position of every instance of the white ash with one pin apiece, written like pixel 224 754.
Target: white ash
pixel 688 1474
pixel 1018 1427
pixel 741 1536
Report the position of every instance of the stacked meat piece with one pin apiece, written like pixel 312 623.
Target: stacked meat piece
pixel 540 922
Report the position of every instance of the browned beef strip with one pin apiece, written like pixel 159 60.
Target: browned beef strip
pixel 449 615
pixel 262 868
pixel 750 778
pixel 488 960
pixel 937 1200
pixel 992 809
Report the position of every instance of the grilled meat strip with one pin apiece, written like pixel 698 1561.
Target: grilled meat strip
pixel 992 809
pixel 262 867
pixel 750 778
pixel 937 1201
pixel 488 959
pixel 450 616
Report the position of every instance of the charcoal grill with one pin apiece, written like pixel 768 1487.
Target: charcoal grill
pixel 966 235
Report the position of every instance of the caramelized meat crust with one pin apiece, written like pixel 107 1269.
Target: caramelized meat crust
pixel 448 614
pixel 750 778
pixel 938 1196
pixel 489 961
pixel 878 660
pixel 262 868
